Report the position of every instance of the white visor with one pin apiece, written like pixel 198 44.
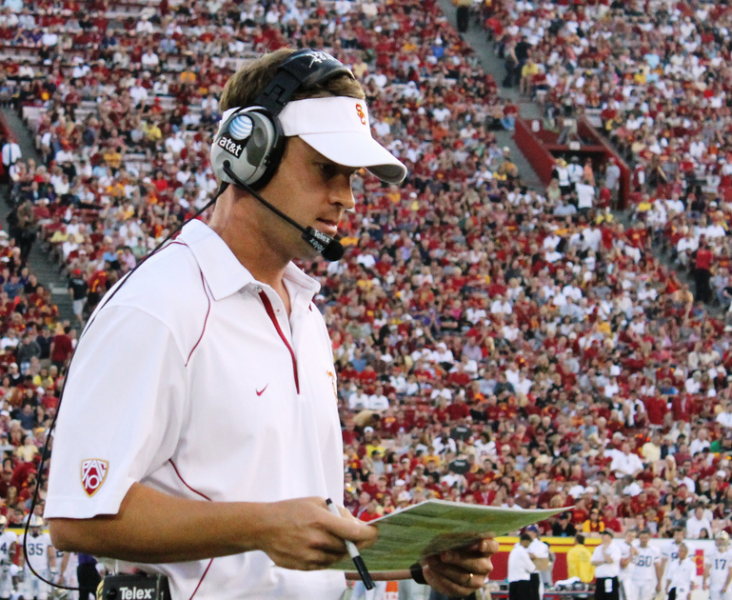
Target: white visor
pixel 338 127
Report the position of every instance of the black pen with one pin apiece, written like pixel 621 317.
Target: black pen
pixel 353 551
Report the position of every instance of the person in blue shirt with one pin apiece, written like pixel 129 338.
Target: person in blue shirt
pixel 14 5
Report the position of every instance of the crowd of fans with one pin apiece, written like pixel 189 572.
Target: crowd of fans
pixel 495 345
pixel 661 97
pixel 35 346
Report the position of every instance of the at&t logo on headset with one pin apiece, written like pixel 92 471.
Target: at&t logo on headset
pixel 239 129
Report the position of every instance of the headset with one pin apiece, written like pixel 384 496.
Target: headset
pixel 250 142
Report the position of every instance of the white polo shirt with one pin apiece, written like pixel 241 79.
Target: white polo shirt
pixel 520 565
pixel 681 574
pixel 607 569
pixel 193 381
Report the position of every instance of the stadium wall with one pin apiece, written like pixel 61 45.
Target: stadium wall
pixel 539 157
pixel 540 148
pixel 560 547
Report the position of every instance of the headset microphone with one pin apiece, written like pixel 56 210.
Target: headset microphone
pixel 330 249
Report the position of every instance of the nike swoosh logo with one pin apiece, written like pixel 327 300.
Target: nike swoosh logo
pixel 260 392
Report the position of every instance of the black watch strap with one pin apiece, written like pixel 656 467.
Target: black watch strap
pixel 417 573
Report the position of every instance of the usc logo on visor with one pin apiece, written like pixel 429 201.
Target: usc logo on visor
pixel 361 114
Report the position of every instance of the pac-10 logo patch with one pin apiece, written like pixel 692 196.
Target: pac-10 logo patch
pixel 93 474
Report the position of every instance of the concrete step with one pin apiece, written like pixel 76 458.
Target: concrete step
pixel 478 41
pixel 39 263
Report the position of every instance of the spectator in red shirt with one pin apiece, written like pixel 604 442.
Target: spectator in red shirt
pixel 61 346
pixel 611 521
pixel 703 272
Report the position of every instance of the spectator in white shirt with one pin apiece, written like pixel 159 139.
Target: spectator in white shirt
pixel 523 385
pixel 501 306
pixel 211 103
pixel 138 93
pixel 378 401
pixel 10 153
pixel 175 143
pixel 144 25
pixel 725 418
pixel 585 196
pixel 684 245
pixel 697 523
pixel 441 113
pixel 442 355
pixel 150 60
pixel 49 39
pixel 358 400
pixel 625 462
pixel 440 393
pixel 700 442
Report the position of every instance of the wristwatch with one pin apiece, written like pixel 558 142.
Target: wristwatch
pixel 417 573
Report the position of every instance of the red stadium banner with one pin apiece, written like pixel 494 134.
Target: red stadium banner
pixel 699 559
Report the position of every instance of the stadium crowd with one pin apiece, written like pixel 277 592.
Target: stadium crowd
pixel 662 100
pixel 495 345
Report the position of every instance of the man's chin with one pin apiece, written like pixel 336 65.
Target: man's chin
pixel 306 252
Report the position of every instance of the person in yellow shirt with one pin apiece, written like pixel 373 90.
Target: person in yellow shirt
pixel 594 524
pixel 527 77
pixel 188 76
pixel 151 131
pixel 113 158
pixel 579 561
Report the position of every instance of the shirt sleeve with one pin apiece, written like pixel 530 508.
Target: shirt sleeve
pixel 528 563
pixel 121 415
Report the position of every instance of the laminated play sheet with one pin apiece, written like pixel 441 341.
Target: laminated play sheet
pixel 433 526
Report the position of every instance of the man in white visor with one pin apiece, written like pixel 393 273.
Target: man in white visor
pixel 205 383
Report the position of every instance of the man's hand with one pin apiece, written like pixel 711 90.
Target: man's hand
pixel 302 534
pixel 460 572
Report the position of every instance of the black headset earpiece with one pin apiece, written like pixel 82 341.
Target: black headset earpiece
pixel 251 138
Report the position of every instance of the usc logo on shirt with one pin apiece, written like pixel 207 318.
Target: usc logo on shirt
pixel 333 383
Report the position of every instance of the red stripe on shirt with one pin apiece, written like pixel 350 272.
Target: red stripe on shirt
pixel 275 322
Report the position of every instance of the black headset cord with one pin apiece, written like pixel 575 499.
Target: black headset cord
pixel 44 454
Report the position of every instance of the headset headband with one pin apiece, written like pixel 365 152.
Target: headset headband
pixel 251 139
pixel 301 70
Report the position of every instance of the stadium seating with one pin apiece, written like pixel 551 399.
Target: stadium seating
pixel 494 344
